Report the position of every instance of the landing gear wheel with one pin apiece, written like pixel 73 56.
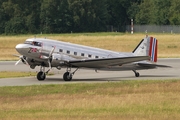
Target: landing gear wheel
pixel 41 76
pixel 137 74
pixel 67 76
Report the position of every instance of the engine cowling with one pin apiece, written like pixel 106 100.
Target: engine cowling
pixel 60 59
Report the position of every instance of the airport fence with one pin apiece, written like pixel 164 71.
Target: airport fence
pixel 154 28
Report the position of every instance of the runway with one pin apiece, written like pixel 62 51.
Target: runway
pixel 90 76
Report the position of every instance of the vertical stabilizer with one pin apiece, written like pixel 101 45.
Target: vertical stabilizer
pixel 147 47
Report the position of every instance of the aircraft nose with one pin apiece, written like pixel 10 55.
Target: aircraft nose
pixel 18 46
pixel 21 48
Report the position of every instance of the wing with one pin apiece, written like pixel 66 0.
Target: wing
pixel 104 62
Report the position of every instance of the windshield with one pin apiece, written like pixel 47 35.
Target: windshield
pixel 33 43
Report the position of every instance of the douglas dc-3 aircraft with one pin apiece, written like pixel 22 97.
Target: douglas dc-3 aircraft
pixel 51 53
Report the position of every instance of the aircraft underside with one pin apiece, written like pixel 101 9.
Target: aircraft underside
pixel 68 75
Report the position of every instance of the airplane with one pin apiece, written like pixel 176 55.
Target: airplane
pixel 53 53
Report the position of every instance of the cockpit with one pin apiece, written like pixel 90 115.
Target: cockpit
pixel 35 43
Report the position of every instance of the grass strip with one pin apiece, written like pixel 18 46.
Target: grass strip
pixel 129 99
pixel 11 74
pixel 168 44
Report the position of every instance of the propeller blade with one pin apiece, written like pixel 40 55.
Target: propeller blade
pixel 48 58
pixel 17 55
pixel 17 62
pixel 50 54
pixel 49 63
pixel 24 60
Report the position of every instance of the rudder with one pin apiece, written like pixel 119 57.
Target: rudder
pixel 153 49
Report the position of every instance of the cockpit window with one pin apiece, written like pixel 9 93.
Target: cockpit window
pixel 33 43
pixel 28 42
pixel 36 43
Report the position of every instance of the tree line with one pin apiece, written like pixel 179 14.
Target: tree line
pixel 65 16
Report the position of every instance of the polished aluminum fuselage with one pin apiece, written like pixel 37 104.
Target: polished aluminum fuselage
pixel 38 54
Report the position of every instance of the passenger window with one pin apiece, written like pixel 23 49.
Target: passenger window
pixel 97 57
pixel 60 50
pixel 89 56
pixel 75 53
pixel 82 54
pixel 68 52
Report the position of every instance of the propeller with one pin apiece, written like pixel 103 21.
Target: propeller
pixel 22 58
pixel 50 55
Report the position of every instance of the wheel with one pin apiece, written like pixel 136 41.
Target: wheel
pixel 67 77
pixel 137 74
pixel 41 76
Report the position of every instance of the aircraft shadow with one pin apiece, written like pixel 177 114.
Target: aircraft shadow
pixel 142 77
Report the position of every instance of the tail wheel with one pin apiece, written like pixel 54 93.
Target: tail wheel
pixel 137 74
pixel 67 76
pixel 41 76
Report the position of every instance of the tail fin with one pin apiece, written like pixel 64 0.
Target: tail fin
pixel 147 47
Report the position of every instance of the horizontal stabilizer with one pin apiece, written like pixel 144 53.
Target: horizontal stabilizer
pixel 152 65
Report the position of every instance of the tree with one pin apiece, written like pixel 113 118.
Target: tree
pixel 14 24
pixel 45 16
pixel 64 16
pixel 88 15
pixel 20 17
pixel 133 9
pixel 161 11
pixel 174 13
pixel 63 20
pixel 118 11
pixel 55 16
pixel 145 14
pixel 31 16
pixel 2 20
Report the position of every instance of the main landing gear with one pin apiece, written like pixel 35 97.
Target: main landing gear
pixel 136 73
pixel 68 75
pixel 42 74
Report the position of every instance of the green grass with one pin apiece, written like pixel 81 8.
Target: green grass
pixel 10 74
pixel 148 99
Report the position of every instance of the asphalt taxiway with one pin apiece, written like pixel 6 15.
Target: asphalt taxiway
pixel 90 76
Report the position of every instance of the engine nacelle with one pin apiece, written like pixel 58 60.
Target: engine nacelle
pixel 60 60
